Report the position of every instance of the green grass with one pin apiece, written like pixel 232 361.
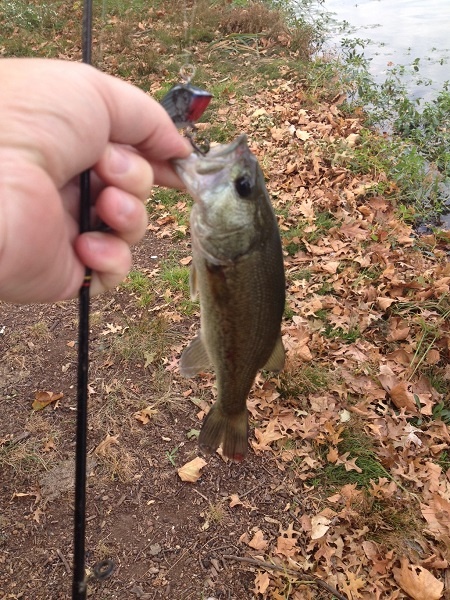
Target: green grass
pixel 416 156
pixel 349 336
pixel 174 279
pixel 141 286
pixel 359 446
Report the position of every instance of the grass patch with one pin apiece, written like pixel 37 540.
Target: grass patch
pixel 359 447
pixel 301 380
pixel 175 279
pixel 146 339
pixel 141 286
pixel 349 336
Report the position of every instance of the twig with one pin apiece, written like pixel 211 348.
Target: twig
pixel 302 576
pixel 63 560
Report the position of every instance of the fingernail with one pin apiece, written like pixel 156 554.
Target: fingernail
pixel 119 159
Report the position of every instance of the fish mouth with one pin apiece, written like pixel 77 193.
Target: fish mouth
pixel 218 158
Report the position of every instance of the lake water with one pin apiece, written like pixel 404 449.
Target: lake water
pixel 400 31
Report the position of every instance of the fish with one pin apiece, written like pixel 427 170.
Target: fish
pixel 237 272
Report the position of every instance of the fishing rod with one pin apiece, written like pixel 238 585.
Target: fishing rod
pixel 79 587
pixel 185 104
pixel 104 568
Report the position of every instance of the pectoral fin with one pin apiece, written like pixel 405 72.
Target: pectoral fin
pixel 277 358
pixel 194 358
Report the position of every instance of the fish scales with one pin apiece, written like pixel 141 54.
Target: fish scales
pixel 239 276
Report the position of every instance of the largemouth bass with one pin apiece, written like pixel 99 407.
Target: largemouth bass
pixel 237 272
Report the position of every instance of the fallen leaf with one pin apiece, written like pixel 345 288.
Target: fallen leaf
pixel 104 446
pixel 402 397
pixel 302 135
pixel 145 414
pixel 42 399
pixel 319 526
pixel 266 436
pixel 258 542
pixel 262 582
pixel 353 586
pixel 49 445
pixel 417 581
pixel 191 470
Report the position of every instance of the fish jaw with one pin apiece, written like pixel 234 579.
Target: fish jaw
pixel 224 223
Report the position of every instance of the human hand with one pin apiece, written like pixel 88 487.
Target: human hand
pixel 58 119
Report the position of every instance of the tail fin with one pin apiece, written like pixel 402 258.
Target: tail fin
pixel 230 430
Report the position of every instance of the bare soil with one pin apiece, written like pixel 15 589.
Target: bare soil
pixel 166 537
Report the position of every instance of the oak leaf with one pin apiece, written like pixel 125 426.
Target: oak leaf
pixel 258 542
pixel 145 414
pixel 437 515
pixel 417 581
pixel 262 582
pixel 104 446
pixel 286 546
pixel 266 436
pixel 320 525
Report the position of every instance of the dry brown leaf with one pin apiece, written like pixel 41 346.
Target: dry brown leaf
pixel 433 357
pixel 302 135
pixel 145 414
pixel 353 231
pixel 104 446
pixel 262 582
pixel 402 396
pixel 332 455
pixel 49 445
pixel 398 330
pixel 265 437
pixel 331 266
pixel 43 399
pixel 307 209
pixel 319 526
pixel 236 501
pixel 191 470
pixel 437 515
pixel 385 303
pixel 353 586
pixel 286 546
pixel 258 542
pixel 417 581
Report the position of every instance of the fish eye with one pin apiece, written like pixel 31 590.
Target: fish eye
pixel 243 186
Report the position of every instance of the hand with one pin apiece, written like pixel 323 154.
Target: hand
pixel 58 119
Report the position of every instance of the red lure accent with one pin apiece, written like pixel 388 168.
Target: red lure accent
pixel 185 104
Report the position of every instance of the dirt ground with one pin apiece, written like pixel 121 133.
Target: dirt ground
pixel 167 538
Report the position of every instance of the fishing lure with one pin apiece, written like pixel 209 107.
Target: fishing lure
pixel 185 104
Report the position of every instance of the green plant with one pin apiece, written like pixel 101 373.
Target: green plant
pixel 356 445
pixel 172 455
pixel 141 286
